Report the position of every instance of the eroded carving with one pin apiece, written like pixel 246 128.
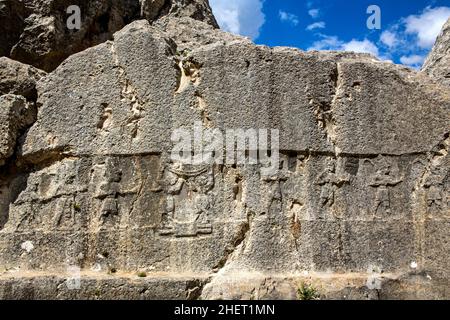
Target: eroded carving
pixel 188 200
pixel 330 180
pixel 385 176
pixel 273 196
pixel 108 191
pixel 49 201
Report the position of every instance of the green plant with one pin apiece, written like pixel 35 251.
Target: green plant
pixel 77 207
pixel 183 53
pixel 307 292
pixel 142 274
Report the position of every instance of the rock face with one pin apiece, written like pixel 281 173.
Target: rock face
pixel 17 78
pixel 15 115
pixel 36 33
pixel 437 64
pixel 358 205
pixel 18 96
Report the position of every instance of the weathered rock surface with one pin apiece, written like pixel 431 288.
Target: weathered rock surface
pixel 35 32
pixel 15 115
pixel 198 10
pixel 17 78
pixel 437 64
pixel 360 206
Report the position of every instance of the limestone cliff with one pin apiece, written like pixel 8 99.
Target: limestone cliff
pixel 359 206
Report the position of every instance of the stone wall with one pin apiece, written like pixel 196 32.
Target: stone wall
pixel 359 207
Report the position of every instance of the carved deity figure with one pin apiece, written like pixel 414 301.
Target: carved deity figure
pixel 188 200
pixel 108 192
pixel 65 207
pixel 64 216
pixel 382 180
pixel 202 184
pixel 329 180
pixel 28 213
pixel 174 184
pixel 274 182
pixel 295 190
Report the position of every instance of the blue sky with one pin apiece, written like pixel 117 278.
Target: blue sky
pixel 408 27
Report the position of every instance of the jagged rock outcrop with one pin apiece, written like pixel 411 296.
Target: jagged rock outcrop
pixel 36 33
pixel 359 205
pixel 198 10
pixel 189 33
pixel 15 116
pixel 18 78
pixel 18 96
pixel 437 64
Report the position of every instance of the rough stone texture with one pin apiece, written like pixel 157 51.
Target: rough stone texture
pixel 190 287
pixel 189 33
pixel 198 10
pixel 17 78
pixel 18 108
pixel 35 32
pixel 97 287
pixel 359 208
pixel 15 115
pixel 437 64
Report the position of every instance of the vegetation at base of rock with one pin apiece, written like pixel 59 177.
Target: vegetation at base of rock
pixel 308 292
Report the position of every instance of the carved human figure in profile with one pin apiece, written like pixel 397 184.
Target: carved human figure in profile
pixel 329 181
pixel 383 178
pixel 108 192
pixel 295 188
pixel 433 179
pixel 274 195
pixel 172 184
pixel 65 213
pixel 65 208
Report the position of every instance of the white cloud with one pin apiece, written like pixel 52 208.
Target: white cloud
pixel 314 13
pixel 289 17
pixel 316 25
pixel 427 25
pixel 411 38
pixel 327 43
pixel 389 38
pixel 416 32
pixel 414 60
pixel 365 46
pixel 244 17
pixel 333 43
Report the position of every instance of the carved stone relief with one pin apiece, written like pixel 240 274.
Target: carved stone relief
pixel 185 211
